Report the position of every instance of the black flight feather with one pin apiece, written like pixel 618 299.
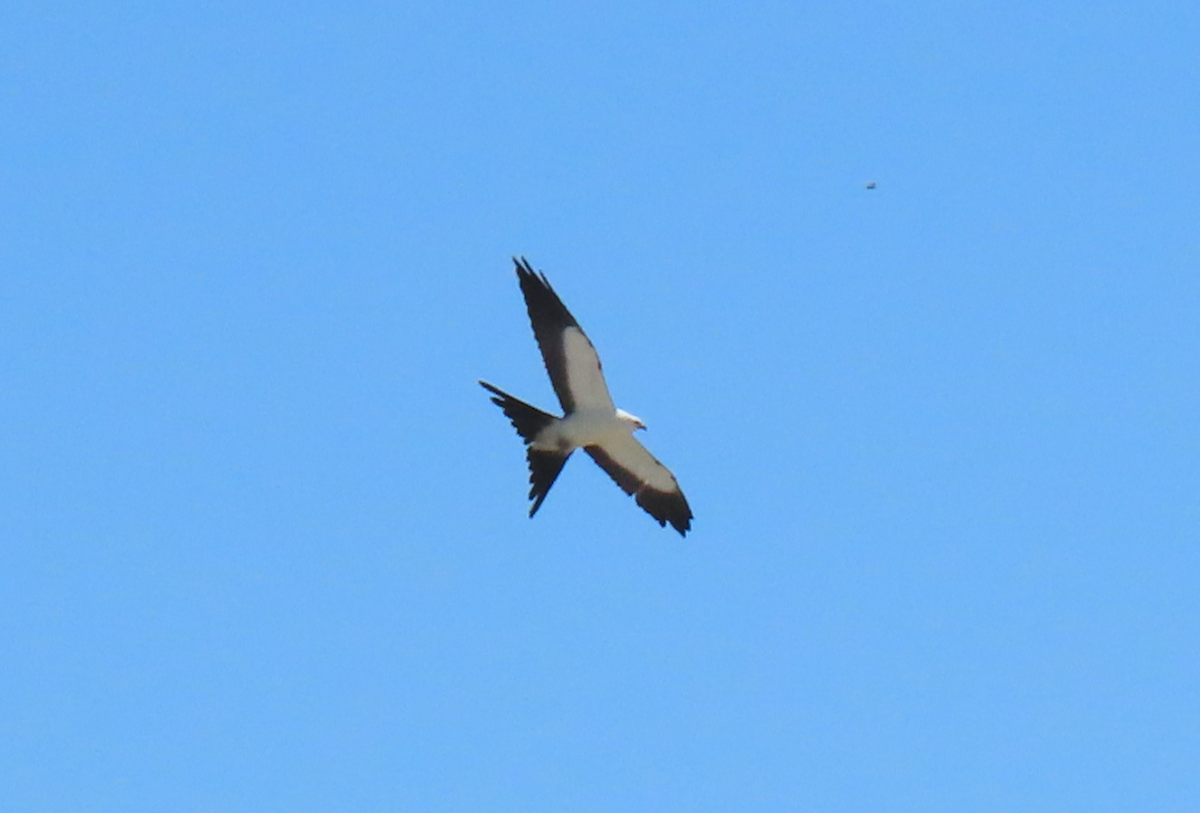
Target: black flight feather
pixel 549 317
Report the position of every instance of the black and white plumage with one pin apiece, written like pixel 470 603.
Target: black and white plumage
pixel 590 419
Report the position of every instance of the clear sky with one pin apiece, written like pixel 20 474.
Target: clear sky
pixel 264 540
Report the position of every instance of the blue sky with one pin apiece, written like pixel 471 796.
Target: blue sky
pixel 265 543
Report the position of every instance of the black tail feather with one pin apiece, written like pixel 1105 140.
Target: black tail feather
pixel 543 471
pixel 528 420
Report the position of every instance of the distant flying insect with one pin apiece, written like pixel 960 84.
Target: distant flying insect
pixel 590 420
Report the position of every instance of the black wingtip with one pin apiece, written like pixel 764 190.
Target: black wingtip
pixel 667 507
pixel 524 269
pixel 682 525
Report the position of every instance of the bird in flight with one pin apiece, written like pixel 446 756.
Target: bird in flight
pixel 590 419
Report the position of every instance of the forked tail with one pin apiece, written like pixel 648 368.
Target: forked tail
pixel 529 421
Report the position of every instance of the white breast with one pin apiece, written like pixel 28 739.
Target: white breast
pixel 584 427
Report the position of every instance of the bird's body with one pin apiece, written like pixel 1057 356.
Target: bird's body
pixel 590 421
pixel 583 427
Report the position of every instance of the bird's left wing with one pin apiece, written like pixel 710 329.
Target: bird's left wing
pixel 637 472
pixel 570 359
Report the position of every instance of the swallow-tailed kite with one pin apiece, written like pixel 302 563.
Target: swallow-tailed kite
pixel 590 420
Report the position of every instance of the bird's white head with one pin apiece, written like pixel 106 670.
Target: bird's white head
pixel 633 420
